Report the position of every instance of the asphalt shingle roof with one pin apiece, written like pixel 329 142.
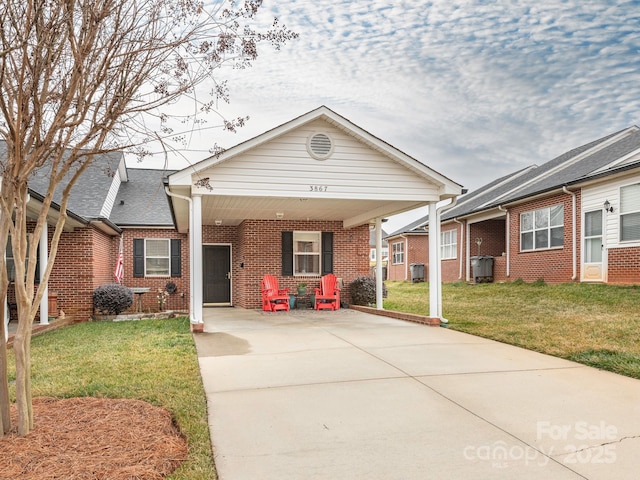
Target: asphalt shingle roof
pixel 142 200
pixel 566 169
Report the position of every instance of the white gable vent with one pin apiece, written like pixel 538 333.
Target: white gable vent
pixel 320 146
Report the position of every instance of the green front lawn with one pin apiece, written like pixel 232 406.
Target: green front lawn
pixel 151 360
pixel 598 325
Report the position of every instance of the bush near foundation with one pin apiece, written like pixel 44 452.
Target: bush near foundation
pixel 363 291
pixel 112 299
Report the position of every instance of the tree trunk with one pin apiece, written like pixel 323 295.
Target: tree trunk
pixel 23 373
pixel 5 405
pixel 5 412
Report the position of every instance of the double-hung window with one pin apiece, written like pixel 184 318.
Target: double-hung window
pixel 542 228
pixel 448 245
pixel 156 257
pixel 397 253
pixel 630 213
pixel 306 253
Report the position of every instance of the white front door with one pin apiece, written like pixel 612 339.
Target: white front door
pixel 593 265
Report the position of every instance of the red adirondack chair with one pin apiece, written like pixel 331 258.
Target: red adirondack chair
pixel 273 297
pixel 328 295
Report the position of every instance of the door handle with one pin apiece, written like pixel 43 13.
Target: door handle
pixel 228 275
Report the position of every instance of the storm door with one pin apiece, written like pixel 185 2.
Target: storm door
pixel 216 272
pixel 593 265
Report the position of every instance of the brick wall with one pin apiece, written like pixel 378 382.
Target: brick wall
pixel 624 265
pixel 259 251
pixel 416 250
pixel 552 265
pixel 176 301
pixel 450 269
pixel 80 265
pixel 492 232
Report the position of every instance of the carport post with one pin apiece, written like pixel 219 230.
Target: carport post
pixel 435 288
pixel 379 278
pixel 196 253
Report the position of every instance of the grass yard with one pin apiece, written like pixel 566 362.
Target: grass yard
pixel 151 360
pixel 597 325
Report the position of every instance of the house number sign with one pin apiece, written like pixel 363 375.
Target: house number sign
pixel 318 188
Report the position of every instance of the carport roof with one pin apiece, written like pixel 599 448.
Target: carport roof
pixel 351 210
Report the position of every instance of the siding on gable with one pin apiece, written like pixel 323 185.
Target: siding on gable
pixel 283 167
pixel 111 195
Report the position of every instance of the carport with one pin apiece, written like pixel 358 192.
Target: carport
pixel 318 181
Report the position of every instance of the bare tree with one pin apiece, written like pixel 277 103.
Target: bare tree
pixel 75 78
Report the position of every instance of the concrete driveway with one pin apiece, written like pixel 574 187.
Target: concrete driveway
pixel 349 395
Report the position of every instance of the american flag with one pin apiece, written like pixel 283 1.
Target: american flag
pixel 119 271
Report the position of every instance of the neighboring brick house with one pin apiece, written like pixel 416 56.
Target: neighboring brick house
pixel 108 202
pixel 575 218
pixel 296 202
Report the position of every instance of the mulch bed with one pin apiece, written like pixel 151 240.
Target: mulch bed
pixel 94 439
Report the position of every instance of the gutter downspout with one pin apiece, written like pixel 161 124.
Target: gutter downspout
pixel 192 318
pixel 574 214
pixel 508 239
pixel 461 247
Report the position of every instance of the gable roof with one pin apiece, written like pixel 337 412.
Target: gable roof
pixel 90 192
pixel 278 175
pixel 599 158
pixel 108 194
pixel 451 188
pixel 142 201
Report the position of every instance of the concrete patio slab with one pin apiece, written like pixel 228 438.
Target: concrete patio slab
pixel 349 395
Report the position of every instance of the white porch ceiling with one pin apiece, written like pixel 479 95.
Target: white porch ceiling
pixel 233 210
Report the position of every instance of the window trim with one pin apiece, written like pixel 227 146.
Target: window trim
pixel 167 257
pixel 449 233
pixel 548 229
pixel 395 254
pixel 139 258
pixel 318 253
pixel 623 213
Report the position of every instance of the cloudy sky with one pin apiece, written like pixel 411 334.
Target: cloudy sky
pixel 474 89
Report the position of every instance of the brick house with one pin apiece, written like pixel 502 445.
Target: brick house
pixel 297 202
pixel 108 202
pixel 575 218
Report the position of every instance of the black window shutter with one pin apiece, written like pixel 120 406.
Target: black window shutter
pixel 138 257
pixel 37 277
pixel 327 252
pixel 176 267
pixel 287 254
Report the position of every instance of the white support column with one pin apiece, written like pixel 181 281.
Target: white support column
pixel 435 298
pixel 379 278
pixel 195 234
pixel 43 252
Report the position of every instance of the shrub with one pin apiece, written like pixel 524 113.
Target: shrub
pixel 112 299
pixel 363 291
